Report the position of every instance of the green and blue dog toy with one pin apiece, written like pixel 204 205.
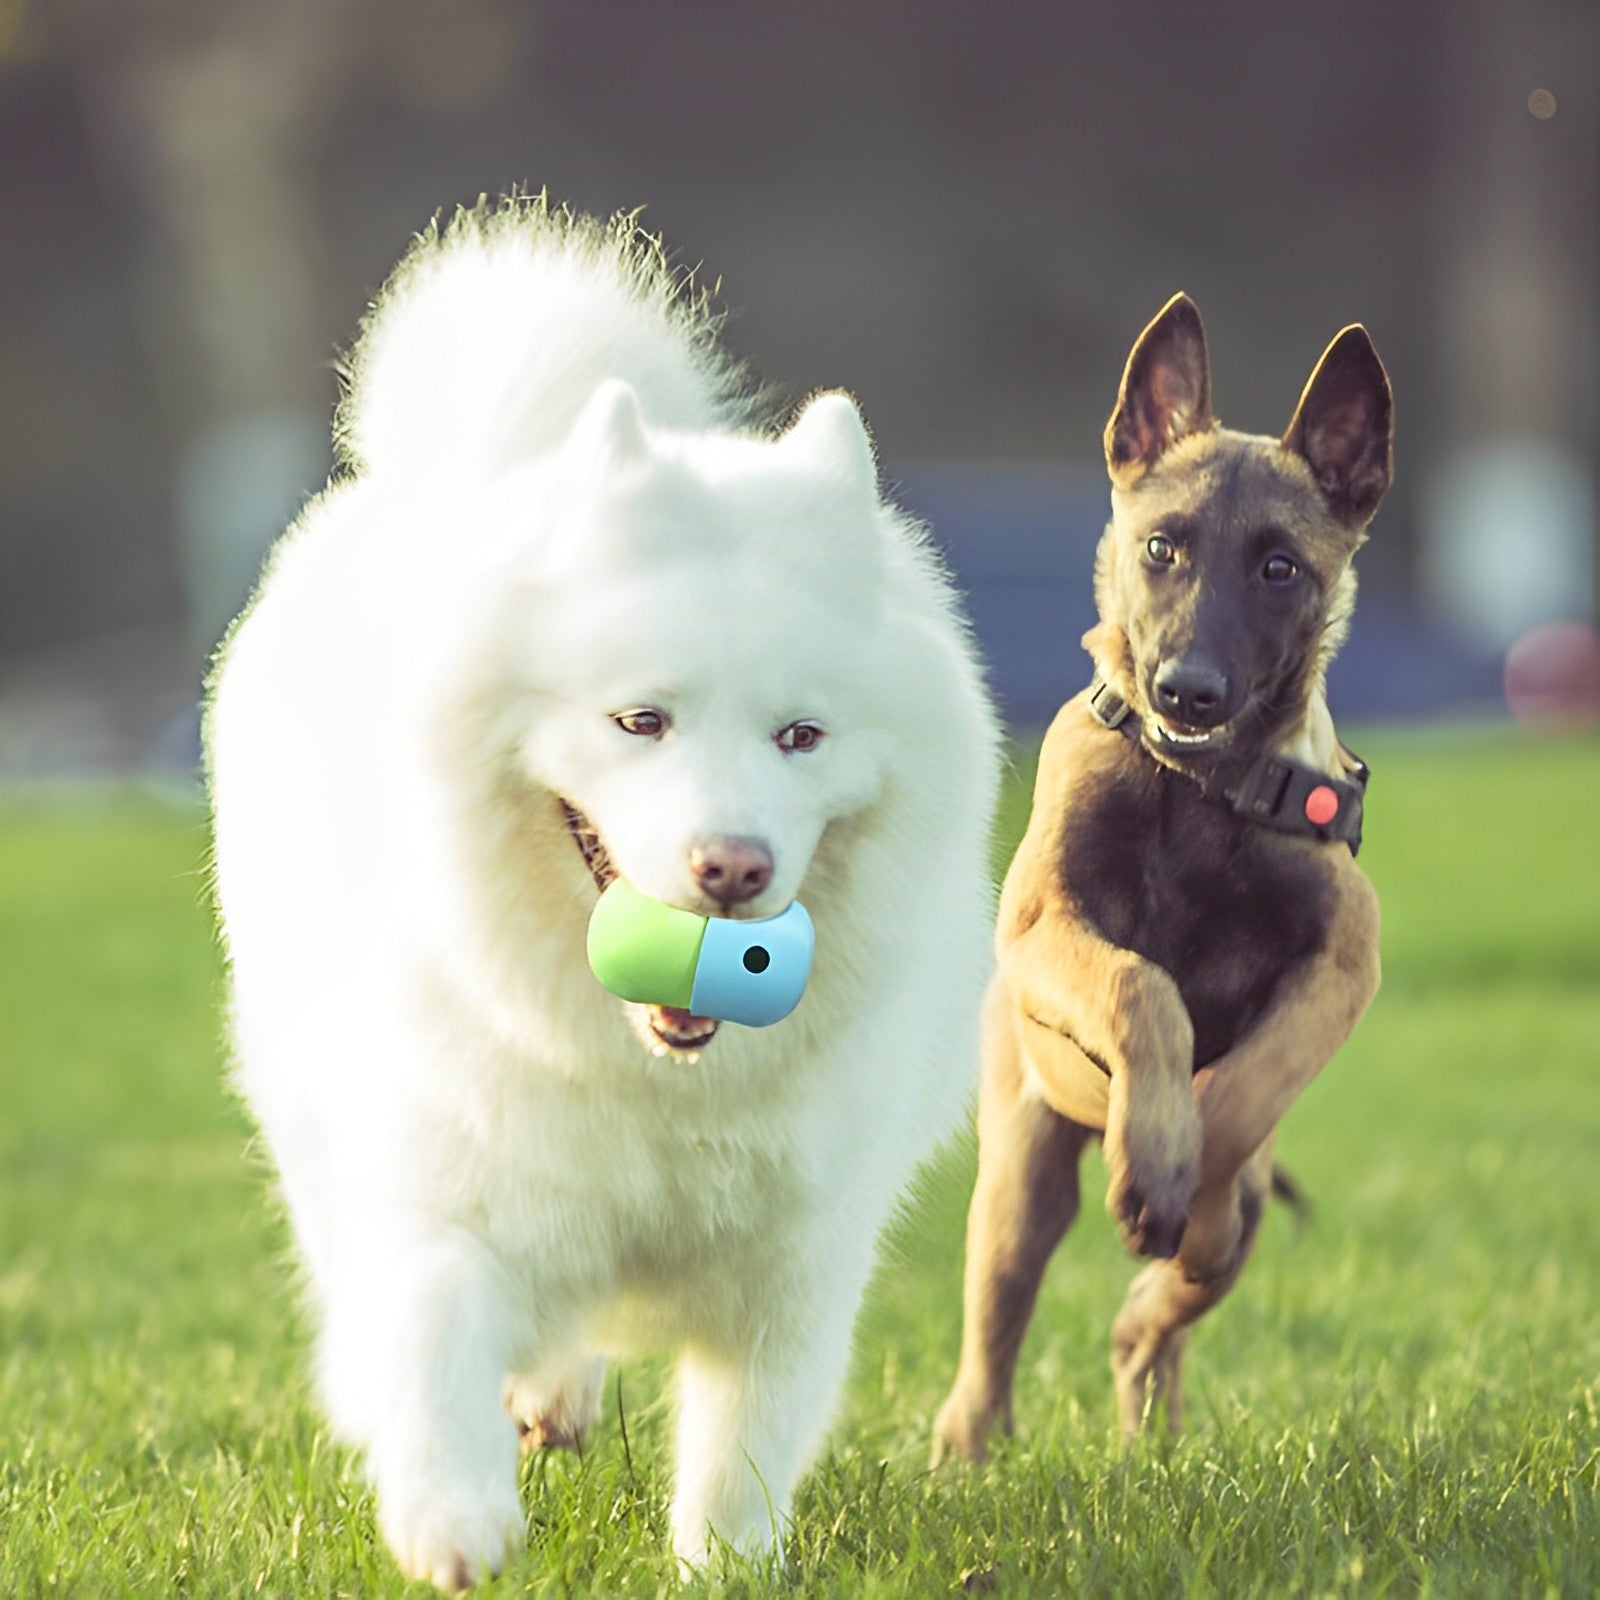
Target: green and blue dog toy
pixel 654 954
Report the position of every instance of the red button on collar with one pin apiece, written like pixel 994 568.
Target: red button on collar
pixel 1322 805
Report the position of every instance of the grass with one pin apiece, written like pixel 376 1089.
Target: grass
pixel 1404 1399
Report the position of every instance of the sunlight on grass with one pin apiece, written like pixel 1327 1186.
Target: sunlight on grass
pixel 1403 1398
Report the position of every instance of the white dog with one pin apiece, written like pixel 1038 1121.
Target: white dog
pixel 569 608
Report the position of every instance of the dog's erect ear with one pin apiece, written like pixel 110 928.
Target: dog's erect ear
pixel 1165 394
pixel 831 437
pixel 1344 426
pixel 610 427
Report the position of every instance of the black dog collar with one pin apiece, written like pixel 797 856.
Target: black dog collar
pixel 1274 791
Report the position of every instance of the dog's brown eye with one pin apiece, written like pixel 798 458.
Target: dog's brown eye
pixel 645 721
pixel 799 736
pixel 1160 550
pixel 1280 569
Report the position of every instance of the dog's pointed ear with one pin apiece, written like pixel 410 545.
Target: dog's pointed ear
pixel 830 434
pixel 1165 393
pixel 610 427
pixel 1344 426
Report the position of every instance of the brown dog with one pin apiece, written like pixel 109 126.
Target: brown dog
pixel 1184 936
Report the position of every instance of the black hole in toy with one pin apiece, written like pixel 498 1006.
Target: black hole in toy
pixel 757 959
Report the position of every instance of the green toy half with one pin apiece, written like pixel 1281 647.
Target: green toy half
pixel 643 949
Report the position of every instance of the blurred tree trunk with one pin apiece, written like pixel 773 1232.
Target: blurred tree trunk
pixel 1510 533
pixel 211 115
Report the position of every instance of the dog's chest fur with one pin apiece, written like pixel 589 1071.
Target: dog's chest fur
pixel 1222 904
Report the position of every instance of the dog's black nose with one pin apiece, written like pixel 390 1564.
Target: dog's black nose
pixel 1191 693
pixel 731 870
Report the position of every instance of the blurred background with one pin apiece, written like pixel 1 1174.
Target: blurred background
pixel 964 213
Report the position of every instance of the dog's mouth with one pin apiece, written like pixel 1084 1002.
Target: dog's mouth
pixel 590 845
pixel 678 1033
pixel 663 1030
pixel 1180 736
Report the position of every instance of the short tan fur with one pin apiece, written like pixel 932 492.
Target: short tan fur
pixel 1172 975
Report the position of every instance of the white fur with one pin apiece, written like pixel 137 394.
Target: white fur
pixel 558 507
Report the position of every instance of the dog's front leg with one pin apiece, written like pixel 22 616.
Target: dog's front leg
pixel 1241 1096
pixel 752 1407
pixel 1025 1199
pixel 1126 1015
pixel 428 1335
pixel 1244 1093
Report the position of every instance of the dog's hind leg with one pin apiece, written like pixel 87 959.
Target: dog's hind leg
pixel 1168 1297
pixel 1025 1200
pixel 556 1404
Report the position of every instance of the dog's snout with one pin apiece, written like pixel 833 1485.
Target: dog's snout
pixel 1192 693
pixel 731 870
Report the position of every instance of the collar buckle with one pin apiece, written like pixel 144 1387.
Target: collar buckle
pixel 1108 707
pixel 1262 793
pixel 1274 791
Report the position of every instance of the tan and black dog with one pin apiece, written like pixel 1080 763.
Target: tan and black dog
pixel 1184 938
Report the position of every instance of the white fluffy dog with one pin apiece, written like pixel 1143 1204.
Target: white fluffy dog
pixel 568 590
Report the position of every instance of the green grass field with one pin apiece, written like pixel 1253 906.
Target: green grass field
pixel 1402 1399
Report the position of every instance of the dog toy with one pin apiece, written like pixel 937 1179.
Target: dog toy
pixel 654 954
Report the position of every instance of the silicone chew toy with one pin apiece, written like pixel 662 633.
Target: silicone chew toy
pixel 655 954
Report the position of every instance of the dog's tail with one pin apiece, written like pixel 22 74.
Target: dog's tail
pixel 496 327
pixel 1286 1189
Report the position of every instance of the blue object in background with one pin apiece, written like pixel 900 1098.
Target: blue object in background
pixel 1020 538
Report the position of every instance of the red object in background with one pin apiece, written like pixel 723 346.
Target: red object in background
pixel 1553 674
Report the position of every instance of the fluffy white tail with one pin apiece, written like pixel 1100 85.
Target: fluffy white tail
pixel 494 330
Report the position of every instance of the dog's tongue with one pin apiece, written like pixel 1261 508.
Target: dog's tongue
pixel 681 1025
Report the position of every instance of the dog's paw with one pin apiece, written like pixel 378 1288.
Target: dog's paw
pixel 556 1415
pixel 451 1543
pixel 1152 1147
pixel 1153 1183
pixel 960 1433
pixel 1152 1220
